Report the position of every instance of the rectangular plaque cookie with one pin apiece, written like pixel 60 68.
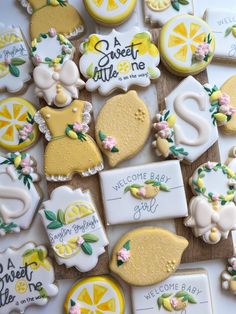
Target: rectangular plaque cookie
pixel 142 193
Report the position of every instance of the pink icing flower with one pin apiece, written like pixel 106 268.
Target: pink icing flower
pixel 26 162
pixel 78 127
pixel 75 309
pixel 123 255
pixel 224 100
pixel 209 165
pixel 174 302
pixel 161 125
pixel 202 51
pixel 215 197
pixel 233 263
pixel 158 117
pixel 80 241
pixel 52 32
pixel 166 133
pixel 26 170
pixel 224 109
pixel 142 192
pixel 37 59
pixel 7 60
pixel 66 49
pixel 109 143
pixel 25 132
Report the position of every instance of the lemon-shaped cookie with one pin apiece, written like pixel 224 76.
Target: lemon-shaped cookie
pixel 110 12
pixel 17 127
pixel 68 249
pixel 122 127
pixel 147 255
pixel 158 5
pixel 77 210
pixel 100 295
pixel 187 45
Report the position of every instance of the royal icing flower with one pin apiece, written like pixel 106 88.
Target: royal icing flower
pixel 37 59
pixel 166 133
pixel 123 255
pixel 209 165
pixel 174 302
pixel 7 60
pixel 109 142
pixel 202 51
pixel 78 127
pixel 142 192
pixel 66 49
pixel 161 125
pixel 215 197
pixel 25 131
pixel 224 100
pixel 158 117
pixel 232 262
pixel 75 309
pixel 26 165
pixel 232 182
pixel 80 241
pixel 52 32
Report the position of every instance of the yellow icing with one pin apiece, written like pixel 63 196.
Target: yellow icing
pixel 229 88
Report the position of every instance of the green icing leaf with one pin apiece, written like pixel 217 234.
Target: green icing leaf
pixel 119 263
pixel 181 294
pixel 102 136
pixel 159 302
pixel 14 70
pixel 72 302
pixel 17 61
pixel 42 292
pixel 90 238
pixel 28 252
pixel 165 295
pixel 127 189
pixel 191 299
pixel 183 2
pixel 87 249
pixel 127 245
pixel 228 31
pixel 153 73
pixel 61 216
pixel 50 215
pixel 164 187
pixel 40 255
pixel 175 5
pixel 90 70
pixel 54 225
pixel 115 150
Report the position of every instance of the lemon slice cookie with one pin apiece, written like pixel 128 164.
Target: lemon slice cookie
pixel 187 45
pixel 98 295
pixel 110 12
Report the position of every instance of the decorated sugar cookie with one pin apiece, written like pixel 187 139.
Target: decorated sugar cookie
pixel 101 294
pixel 223 24
pixel 187 45
pixel 228 277
pixel 187 128
pixel 15 64
pixel 58 14
pixel 186 291
pixel 74 228
pixel 27 278
pixel 118 126
pixel 66 131
pixel 160 11
pixel 149 246
pixel 212 212
pixel 119 60
pixel 19 193
pixel 110 12
pixel 142 193
pixel 18 130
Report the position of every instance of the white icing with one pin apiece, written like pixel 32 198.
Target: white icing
pixel 161 17
pixel 47 79
pixel 192 126
pixel 121 207
pixel 11 83
pixel 25 4
pixel 220 20
pixel 62 198
pixel 12 264
pixel 194 282
pixel 138 69
pixel 202 125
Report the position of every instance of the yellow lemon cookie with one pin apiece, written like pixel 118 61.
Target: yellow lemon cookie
pixel 147 255
pixel 110 12
pixel 100 295
pixel 122 127
pixel 58 14
pixel 18 130
pixel 187 45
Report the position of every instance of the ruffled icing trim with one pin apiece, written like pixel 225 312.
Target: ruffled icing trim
pixel 76 32
pixel 27 5
pixel 42 126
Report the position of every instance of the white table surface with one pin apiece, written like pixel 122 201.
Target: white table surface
pixel 223 303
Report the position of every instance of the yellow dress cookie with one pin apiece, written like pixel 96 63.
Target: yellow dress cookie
pixel 147 255
pixel 58 14
pixel 100 295
pixel 18 130
pixel 187 45
pixel 70 149
pixel 110 12
pixel 122 127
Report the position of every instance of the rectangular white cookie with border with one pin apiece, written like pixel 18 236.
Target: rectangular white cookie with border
pixel 185 292
pixel 141 193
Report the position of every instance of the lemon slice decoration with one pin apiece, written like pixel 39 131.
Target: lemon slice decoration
pixel 78 210
pixel 96 295
pixel 179 40
pixel 21 286
pixel 158 5
pixel 69 249
pixel 124 67
pixel 14 115
pixel 36 258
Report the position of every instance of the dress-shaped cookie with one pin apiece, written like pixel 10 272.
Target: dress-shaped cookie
pixel 53 13
pixel 70 149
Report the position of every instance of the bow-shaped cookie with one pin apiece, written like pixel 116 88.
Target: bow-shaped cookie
pixel 58 84
pixel 203 217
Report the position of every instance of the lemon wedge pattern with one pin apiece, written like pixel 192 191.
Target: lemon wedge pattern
pixel 96 295
pixel 180 39
pixel 78 210
pixel 158 5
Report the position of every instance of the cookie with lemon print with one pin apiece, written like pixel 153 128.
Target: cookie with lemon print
pixel 110 12
pixel 187 45
pixel 212 211
pixel 18 130
pixel 15 63
pixel 74 228
pixel 158 12
pixel 136 255
pixel 118 127
pixel 100 294
pixel 119 60
pixel 27 278
pixel 58 14
pixel 20 194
